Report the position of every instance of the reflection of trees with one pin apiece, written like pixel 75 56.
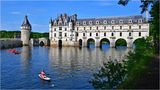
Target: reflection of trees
pixel 109 76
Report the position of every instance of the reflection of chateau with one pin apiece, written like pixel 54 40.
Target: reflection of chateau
pixel 69 31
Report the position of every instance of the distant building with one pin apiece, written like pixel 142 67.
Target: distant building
pixel 70 31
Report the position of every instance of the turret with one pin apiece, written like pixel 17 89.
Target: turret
pixel 25 31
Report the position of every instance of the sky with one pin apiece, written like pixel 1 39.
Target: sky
pixel 40 11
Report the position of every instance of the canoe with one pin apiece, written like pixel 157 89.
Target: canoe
pixel 44 78
pixel 17 52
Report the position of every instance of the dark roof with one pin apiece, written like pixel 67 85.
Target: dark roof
pixel 26 22
pixel 125 20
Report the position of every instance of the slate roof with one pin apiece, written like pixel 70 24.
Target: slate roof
pixel 117 20
pixel 26 22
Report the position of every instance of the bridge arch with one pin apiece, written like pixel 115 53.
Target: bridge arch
pixel 104 41
pixel 135 41
pixel 41 43
pixel 121 42
pixel 59 43
pixel 90 43
pixel 80 42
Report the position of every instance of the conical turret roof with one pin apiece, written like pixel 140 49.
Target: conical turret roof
pixel 26 22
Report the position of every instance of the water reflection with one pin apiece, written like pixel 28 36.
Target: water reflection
pixel 76 65
pixel 84 57
pixel 25 56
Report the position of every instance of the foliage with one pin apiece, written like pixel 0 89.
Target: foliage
pixel 9 34
pixel 118 74
pixel 154 26
pixel 144 6
pixel 121 42
pixel 16 34
pixel 109 76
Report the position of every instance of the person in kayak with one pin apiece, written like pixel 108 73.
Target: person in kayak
pixel 43 74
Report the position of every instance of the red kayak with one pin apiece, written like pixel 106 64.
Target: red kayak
pixel 14 51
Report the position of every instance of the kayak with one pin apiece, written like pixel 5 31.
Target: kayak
pixel 17 52
pixel 44 78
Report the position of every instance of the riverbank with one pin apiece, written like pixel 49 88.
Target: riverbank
pixel 146 77
pixel 150 77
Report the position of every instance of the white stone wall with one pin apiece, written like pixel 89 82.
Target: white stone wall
pixel 144 30
pixel 25 36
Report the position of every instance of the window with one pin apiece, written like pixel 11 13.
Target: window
pixel 129 33
pixel 120 27
pixel 139 33
pixel 54 29
pixel 104 27
pixel 84 22
pixel 139 26
pixel 60 28
pixel 90 34
pixel 130 21
pixel 105 34
pixel 65 29
pixel 76 34
pixel 140 21
pixel 65 34
pixel 112 21
pixel 104 22
pixel 60 33
pixel 96 34
pixel 77 28
pixel 90 28
pixel 97 28
pixel 120 33
pixel 120 21
pixel 112 34
pixel 54 34
pixel 84 28
pixel 129 27
pixel 97 22
pixel 90 22
pixel 83 34
pixel 112 27
pixel 77 23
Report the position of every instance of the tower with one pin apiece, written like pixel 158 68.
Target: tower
pixel 25 31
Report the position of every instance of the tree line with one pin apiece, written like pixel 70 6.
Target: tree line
pixel 17 34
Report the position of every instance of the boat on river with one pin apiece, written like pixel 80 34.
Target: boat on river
pixel 14 51
pixel 44 77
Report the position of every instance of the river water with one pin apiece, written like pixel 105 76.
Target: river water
pixel 68 67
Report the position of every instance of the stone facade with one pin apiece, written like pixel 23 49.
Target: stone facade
pixel 69 31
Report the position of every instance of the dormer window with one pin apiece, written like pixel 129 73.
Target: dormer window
pixel 112 21
pixel 130 21
pixel 84 22
pixel 90 22
pixel 121 21
pixel 140 21
pixel 97 22
pixel 77 23
pixel 104 22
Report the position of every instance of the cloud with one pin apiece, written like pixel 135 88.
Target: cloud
pixel 16 13
pixel 19 13
pixel 105 3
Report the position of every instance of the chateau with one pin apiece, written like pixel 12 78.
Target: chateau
pixel 70 31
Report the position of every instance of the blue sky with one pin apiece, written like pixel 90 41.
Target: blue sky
pixel 39 12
